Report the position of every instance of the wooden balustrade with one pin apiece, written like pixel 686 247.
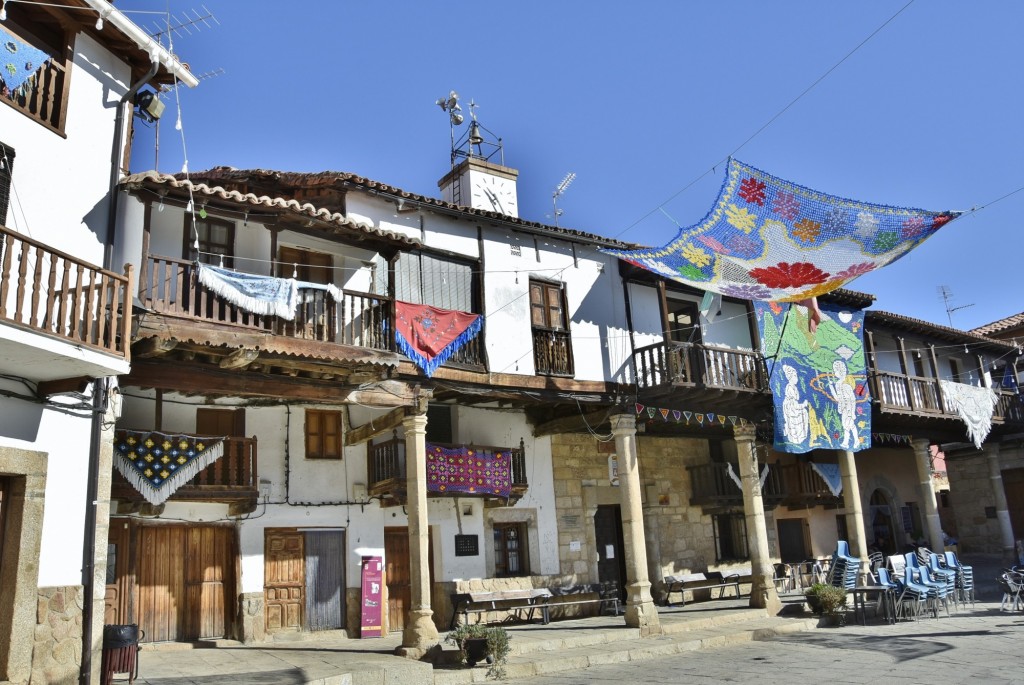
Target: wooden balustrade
pixel 676 363
pixel 552 352
pixel 42 96
pixel 711 484
pixel 171 286
pixel 47 291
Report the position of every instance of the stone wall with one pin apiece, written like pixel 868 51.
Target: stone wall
pixel 57 650
pixel 251 617
pixel 970 493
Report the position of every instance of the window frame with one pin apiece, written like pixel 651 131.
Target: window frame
pixel 545 331
pixel 731 519
pixel 405 272
pixel 673 307
pixel 334 416
pixel 204 255
pixel 499 532
pixel 304 262
pixel 547 287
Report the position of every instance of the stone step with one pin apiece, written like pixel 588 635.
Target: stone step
pixel 608 647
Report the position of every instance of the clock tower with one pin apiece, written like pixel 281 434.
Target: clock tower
pixel 478 178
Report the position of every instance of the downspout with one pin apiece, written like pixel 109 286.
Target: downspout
pixel 99 410
pixel 99 394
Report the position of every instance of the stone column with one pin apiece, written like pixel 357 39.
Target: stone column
pixel 854 511
pixel 762 586
pixel 933 527
pixel 1009 551
pixel 640 610
pixel 420 632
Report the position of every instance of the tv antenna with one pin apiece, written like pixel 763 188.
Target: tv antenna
pixel 173 26
pixel 562 187
pixel 947 295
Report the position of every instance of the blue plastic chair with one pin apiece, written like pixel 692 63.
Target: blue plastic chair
pixel 947 575
pixel 964 578
pixel 914 594
pixel 919 574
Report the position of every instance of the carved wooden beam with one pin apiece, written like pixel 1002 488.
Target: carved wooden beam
pixel 239 358
pixel 368 431
pixel 153 347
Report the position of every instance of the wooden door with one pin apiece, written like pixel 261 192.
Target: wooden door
pixel 325 579
pixel 227 422
pixel 185 588
pixel 1013 484
pixel 792 549
pixel 397 576
pixel 117 591
pixel 285 579
pixel 611 548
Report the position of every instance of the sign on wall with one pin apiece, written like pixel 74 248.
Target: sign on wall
pixel 373 583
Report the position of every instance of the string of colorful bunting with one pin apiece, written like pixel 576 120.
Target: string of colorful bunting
pixel 703 419
pixel 891 438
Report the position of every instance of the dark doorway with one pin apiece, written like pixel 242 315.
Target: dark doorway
pixel 611 548
pixel 792 546
pixel 1013 485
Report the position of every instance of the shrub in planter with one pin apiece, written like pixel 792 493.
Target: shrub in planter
pixel 480 642
pixel 826 599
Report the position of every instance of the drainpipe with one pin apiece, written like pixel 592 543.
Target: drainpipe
pixel 99 410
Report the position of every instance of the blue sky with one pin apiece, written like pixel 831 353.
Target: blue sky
pixel 643 101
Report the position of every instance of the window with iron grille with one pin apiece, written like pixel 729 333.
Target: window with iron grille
pixel 511 557
pixel 552 345
pixel 730 537
pixel 323 434
pixel 216 240
pixel 6 169
pixel 435 281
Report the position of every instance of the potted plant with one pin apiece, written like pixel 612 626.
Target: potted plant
pixel 827 600
pixel 479 642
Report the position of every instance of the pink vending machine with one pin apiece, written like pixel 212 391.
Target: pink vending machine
pixel 373 584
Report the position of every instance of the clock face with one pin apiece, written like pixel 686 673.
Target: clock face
pixel 493 194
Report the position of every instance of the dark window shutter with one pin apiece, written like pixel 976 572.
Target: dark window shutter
pixel 6 169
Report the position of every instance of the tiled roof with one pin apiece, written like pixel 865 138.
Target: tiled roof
pixel 154 178
pixel 931 329
pixel 1009 322
pixel 341 180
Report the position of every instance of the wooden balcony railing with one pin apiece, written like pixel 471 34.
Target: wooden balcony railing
pixel 47 291
pixel 711 484
pixel 552 352
pixel 170 286
pixel 695 364
pixel 41 97
pixel 233 477
pixel 802 485
pixel 897 392
pixel 386 468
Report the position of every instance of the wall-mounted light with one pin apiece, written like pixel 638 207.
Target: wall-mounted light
pixel 150 106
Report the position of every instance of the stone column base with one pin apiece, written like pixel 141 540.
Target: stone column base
pixel 640 610
pixel 252 621
pixel 764 595
pixel 420 635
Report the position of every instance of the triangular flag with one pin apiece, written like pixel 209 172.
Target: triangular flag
pixel 664 414
pixel 639 409
pixel 721 419
pixel 711 417
pixel 700 419
pixel 651 411
pixel 676 414
pixel 688 415
pixel 732 420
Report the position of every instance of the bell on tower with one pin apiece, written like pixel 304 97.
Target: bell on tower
pixel 478 177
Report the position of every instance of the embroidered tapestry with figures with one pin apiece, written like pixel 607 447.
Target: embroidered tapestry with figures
pixel 818 380
pixel 157 464
pixel 469 470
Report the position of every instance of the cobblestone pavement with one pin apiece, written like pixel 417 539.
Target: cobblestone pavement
pixel 983 645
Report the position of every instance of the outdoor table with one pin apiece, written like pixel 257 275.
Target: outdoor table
pixel 862 593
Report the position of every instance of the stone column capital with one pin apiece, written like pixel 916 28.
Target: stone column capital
pixel 415 423
pixel 623 424
pixel 744 432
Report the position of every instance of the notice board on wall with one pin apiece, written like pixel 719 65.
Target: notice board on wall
pixel 371 624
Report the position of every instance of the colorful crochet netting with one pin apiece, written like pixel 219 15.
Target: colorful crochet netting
pixel 769 239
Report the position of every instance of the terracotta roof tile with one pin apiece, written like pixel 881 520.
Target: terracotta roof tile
pixel 932 329
pixel 1000 325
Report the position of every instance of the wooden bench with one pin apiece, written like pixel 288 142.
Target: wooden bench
pixel 711 580
pixel 516 604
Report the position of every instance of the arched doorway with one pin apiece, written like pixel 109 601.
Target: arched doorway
pixel 883 525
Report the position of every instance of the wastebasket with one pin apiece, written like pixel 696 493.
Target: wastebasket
pixel 120 652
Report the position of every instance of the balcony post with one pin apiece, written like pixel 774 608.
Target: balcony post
pixel 1007 544
pixel 420 633
pixel 763 594
pixel 854 510
pixel 640 610
pixel 923 456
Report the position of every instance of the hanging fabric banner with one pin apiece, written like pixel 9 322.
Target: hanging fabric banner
pixel 469 470
pixel 19 61
pixel 1009 381
pixel 734 476
pixel 819 380
pixel 265 295
pixel 429 336
pixel 769 239
pixel 832 476
pixel 157 464
pixel 763 477
pixel 974 406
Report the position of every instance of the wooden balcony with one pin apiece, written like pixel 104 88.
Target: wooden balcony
pixel 46 291
pixel 171 287
pixel 704 376
pixel 712 488
pixel 915 395
pixel 42 96
pixel 552 352
pixel 232 479
pixel 802 487
pixel 387 475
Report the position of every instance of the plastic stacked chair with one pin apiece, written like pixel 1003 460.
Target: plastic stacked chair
pixel 892 586
pixel 941 591
pixel 964 578
pixel 844 568
pixel 939 571
pixel 936 589
pixel 914 595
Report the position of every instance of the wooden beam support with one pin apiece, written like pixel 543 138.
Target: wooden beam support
pixel 368 431
pixel 63 385
pixel 153 347
pixel 239 358
pixel 577 423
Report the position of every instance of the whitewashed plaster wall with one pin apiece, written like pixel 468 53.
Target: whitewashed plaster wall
pixel 77 223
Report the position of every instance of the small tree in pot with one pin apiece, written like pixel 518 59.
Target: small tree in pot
pixel 480 642
pixel 827 600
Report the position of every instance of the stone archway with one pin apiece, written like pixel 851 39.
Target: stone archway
pixel 882 518
pixel 880 489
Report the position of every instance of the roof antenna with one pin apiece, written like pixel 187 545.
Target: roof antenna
pixel 562 187
pixel 947 295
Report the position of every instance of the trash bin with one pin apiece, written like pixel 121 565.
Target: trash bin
pixel 120 652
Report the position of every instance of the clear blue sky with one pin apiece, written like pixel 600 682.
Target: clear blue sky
pixel 640 99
